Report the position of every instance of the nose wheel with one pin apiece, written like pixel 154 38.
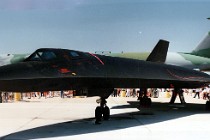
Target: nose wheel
pixel 102 111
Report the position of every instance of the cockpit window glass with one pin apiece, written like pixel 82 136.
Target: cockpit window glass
pixel 47 55
pixel 74 54
pixel 35 57
pixel 43 56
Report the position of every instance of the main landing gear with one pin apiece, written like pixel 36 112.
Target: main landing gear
pixel 178 91
pixel 102 111
pixel 144 100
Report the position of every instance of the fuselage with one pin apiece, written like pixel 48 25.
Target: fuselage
pixel 59 69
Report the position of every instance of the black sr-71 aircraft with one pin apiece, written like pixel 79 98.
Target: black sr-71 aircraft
pixel 61 69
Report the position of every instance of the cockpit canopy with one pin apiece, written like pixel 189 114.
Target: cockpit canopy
pixel 43 56
pixel 54 54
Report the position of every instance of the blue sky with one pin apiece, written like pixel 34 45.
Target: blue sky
pixel 102 25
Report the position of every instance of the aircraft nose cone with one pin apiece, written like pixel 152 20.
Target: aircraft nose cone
pixel 18 78
pixel 14 71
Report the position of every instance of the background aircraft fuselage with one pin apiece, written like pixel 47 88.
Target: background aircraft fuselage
pixel 186 60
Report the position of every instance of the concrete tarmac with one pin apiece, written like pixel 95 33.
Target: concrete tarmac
pixel 73 118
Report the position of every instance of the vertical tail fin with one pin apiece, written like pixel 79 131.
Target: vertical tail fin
pixel 203 48
pixel 159 53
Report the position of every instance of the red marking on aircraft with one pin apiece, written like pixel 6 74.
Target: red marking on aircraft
pixel 97 58
pixel 180 77
pixel 64 70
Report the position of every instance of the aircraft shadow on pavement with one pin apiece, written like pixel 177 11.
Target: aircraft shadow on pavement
pixel 159 112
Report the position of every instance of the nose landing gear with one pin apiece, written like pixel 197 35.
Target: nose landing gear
pixel 102 111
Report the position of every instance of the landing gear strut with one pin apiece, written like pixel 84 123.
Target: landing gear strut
pixel 102 111
pixel 174 94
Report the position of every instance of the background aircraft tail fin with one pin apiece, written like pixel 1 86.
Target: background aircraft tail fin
pixel 159 53
pixel 203 48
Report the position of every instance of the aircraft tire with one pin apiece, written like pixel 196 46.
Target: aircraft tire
pixel 106 113
pixel 208 105
pixel 1 97
pixel 148 102
pixel 98 114
pixel 145 102
pixel 141 101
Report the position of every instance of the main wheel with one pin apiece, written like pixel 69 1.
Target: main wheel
pixel 148 102
pixel 98 114
pixel 208 105
pixel 0 98
pixel 106 113
pixel 142 101
pixel 145 102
